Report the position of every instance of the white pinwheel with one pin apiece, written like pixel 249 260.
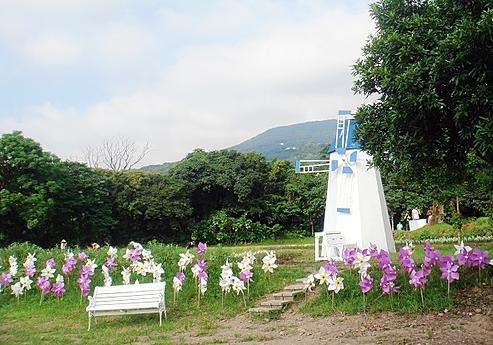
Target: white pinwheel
pixel 14 267
pixel 461 247
pixel 362 263
pixel 146 254
pixel 157 273
pixel 91 264
pixel 126 275
pixel 238 285
pixel 26 283
pixel 106 276
pixel 322 276
pixel 112 251
pixel 17 289
pixel 48 272
pixel 195 270
pixel 309 283
pixel 269 262
pixel 177 284
pixel 336 284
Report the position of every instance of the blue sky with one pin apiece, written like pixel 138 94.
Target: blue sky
pixel 177 74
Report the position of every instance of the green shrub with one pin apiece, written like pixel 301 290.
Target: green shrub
pixel 220 227
pixel 480 227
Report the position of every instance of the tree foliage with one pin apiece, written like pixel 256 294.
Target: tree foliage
pixel 220 196
pixel 431 64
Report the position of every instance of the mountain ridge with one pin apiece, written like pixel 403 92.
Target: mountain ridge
pixel 304 140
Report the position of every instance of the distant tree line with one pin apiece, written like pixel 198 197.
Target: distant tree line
pixel 219 196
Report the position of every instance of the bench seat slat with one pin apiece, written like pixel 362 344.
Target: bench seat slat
pixel 128 299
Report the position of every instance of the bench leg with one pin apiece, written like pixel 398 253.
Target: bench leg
pixel 89 326
pixel 160 318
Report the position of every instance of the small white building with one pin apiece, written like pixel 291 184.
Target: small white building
pixel 355 212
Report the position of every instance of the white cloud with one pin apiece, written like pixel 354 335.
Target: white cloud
pixel 213 91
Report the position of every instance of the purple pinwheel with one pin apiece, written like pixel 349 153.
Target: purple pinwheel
pixel 203 275
pixel 366 284
pixel 6 279
pixel 387 284
pixel 201 248
pixel 82 256
pixel 349 255
pixel 331 268
pixel 69 266
pixel 383 259
pixel 51 263
pixel 58 289
pixel 406 260
pixel 202 265
pixel 181 276
pixel 449 270
pixel 479 258
pixel 44 285
pixel 135 254
pixel 110 262
pixel 373 250
pixel 84 285
pixel 246 276
pixel 418 278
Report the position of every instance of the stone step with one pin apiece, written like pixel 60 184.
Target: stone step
pixel 288 293
pixel 300 280
pixel 264 309
pixel 274 302
pixel 294 287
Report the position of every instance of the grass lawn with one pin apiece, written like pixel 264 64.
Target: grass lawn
pixel 65 321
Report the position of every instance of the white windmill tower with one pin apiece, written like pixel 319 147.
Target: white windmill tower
pixel 355 211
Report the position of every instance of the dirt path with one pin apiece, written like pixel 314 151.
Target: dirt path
pixel 469 323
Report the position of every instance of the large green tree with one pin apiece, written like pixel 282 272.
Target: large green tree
pixel 430 67
pixel 28 184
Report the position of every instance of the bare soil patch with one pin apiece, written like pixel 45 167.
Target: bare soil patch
pixel 471 322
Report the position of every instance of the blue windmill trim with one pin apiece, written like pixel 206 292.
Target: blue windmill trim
pixel 347 170
pixel 344 210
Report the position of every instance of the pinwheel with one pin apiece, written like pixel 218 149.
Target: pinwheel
pixel 58 288
pixel 17 290
pixel 201 248
pixel 29 265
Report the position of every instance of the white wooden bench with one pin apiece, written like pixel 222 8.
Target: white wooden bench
pixel 127 299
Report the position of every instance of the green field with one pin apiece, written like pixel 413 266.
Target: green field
pixel 65 321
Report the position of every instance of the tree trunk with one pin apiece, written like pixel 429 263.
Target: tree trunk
pixel 457 209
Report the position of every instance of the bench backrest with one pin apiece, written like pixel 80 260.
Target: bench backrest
pixel 129 296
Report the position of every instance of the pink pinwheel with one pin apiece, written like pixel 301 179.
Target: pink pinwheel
pixel 201 248
pixel 58 288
